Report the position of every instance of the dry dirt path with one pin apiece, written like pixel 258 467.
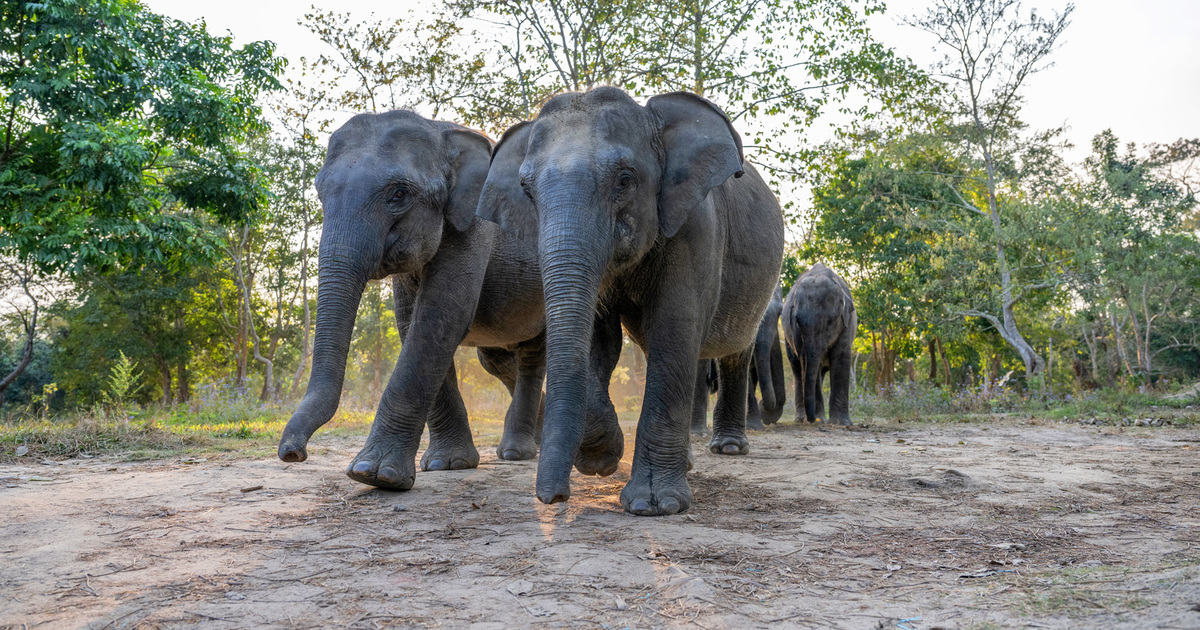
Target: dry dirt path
pixel 893 526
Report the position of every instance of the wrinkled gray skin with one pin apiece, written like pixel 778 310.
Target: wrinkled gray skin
pixel 642 222
pixel 399 194
pixel 819 323
pixel 767 352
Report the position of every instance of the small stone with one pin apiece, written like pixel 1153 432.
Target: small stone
pixel 399 508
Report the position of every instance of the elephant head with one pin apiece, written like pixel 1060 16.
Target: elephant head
pixel 391 184
pixel 607 178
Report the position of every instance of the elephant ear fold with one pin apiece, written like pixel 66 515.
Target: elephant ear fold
pixel 847 310
pixel 702 151
pixel 503 200
pixel 470 152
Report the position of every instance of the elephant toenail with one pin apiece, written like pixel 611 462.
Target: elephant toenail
pixel 387 474
pixel 437 464
pixel 731 449
pixel 361 468
pixel 640 506
pixel 668 505
pixel 512 454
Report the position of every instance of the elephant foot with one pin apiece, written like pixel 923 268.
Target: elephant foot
pixel 602 448
pixel 656 495
pixel 383 464
pixel 755 423
pixel 699 430
pixel 771 416
pixel 844 421
pixel 450 456
pixel 729 445
pixel 517 447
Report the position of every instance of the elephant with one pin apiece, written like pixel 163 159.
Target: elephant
pixel 769 379
pixel 766 370
pixel 647 218
pixel 400 193
pixel 819 323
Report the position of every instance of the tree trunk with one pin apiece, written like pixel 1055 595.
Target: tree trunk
pixel 30 326
pixel 933 361
pixel 164 371
pixel 945 362
pixel 185 387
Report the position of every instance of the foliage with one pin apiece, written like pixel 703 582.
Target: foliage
pixel 117 122
pixel 122 381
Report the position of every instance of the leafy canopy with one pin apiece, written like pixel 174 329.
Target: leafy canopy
pixel 117 123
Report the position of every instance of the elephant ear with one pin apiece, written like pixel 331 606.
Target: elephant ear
pixel 847 310
pixel 503 200
pixel 470 152
pixel 702 151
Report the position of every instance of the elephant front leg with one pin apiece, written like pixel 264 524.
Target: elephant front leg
pixel 729 418
pixel 839 386
pixel 658 481
pixel 387 460
pixel 418 387
pixel 603 440
pixel 700 399
pixel 797 382
pixel 819 395
pixel 450 443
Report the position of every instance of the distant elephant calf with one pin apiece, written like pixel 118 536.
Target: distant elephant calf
pixel 819 323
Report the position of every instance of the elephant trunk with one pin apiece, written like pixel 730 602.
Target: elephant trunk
pixel 762 367
pixel 574 247
pixel 812 382
pixel 345 265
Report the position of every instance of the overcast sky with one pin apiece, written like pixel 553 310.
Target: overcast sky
pixel 1133 67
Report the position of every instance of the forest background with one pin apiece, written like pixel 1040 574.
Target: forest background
pixel 159 229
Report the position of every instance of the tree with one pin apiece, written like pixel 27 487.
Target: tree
pixel 1138 269
pixel 990 52
pixel 119 125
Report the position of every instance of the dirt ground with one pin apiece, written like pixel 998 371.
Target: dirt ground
pixel 982 525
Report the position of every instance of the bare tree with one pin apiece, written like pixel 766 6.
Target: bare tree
pixel 991 50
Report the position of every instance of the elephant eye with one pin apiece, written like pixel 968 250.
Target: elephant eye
pixel 525 188
pixel 624 180
pixel 400 194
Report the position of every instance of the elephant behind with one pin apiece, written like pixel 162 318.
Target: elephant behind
pixel 766 370
pixel 819 323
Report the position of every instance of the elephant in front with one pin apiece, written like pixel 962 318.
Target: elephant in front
pixel 399 194
pixel 647 218
pixel 819 323
pixel 768 379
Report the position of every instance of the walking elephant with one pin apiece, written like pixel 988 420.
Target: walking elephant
pixel 399 194
pixel 819 323
pixel 647 218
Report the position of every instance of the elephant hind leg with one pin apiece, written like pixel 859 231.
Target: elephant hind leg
pixel 839 386
pixel 450 443
pixel 729 417
pixel 525 369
